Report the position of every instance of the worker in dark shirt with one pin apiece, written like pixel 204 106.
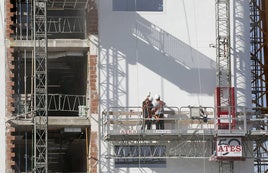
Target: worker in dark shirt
pixel 147 111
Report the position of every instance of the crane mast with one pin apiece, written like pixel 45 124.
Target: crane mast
pixel 224 91
pixel 40 86
pixel 224 100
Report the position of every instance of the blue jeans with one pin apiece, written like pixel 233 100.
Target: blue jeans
pixel 160 123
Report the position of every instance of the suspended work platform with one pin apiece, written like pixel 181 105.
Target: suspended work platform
pixel 190 132
pixel 128 123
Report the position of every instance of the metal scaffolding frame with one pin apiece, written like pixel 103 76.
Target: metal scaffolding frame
pixel 64 102
pixel 259 71
pixel 68 4
pixel 260 155
pixel 66 24
pixel 223 59
pixel 61 24
pixel 40 87
pixel 55 102
pixel 223 67
pixel 194 146
pixel 258 68
pixel 32 23
pixel 258 40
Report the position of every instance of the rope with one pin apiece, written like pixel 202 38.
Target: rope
pixel 200 88
pixel 136 54
pixel 137 77
pixel 198 67
pixel 191 49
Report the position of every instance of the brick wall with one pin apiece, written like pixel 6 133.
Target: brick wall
pixel 10 163
pixel 92 18
pixel 93 159
pixel 94 100
pixel 9 92
pixel 94 103
pixel 92 29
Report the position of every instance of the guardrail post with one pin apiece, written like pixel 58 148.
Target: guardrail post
pixel 107 117
pixel 60 101
pixel 245 120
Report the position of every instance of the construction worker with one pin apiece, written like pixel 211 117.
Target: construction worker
pixel 158 111
pixel 147 111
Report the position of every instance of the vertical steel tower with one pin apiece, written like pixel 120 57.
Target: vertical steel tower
pixel 224 91
pixel 40 84
pixel 259 71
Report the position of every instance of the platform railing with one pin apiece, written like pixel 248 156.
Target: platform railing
pixel 67 4
pixel 56 103
pixel 130 121
pixel 188 120
pixel 65 24
pixel 65 102
pixel 243 122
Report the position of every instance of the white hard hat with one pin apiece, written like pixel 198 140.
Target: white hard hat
pixel 151 98
pixel 157 96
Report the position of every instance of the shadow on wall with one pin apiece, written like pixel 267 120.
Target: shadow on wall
pixel 241 53
pixel 173 59
pixel 157 50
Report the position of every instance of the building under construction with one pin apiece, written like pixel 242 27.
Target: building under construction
pixel 74 74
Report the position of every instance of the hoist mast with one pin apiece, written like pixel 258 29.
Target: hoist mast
pixel 224 95
pixel 40 86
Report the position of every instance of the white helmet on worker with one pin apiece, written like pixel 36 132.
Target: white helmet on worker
pixel 151 98
pixel 157 96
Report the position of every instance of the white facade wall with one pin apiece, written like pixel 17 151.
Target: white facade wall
pixel 164 53
pixel 2 87
pixel 169 53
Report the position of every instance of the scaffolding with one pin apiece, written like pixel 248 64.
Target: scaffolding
pixel 69 23
pixel 35 21
pixel 122 129
pixel 40 87
pixel 259 71
pixel 223 60
pixel 258 17
pixel 55 103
